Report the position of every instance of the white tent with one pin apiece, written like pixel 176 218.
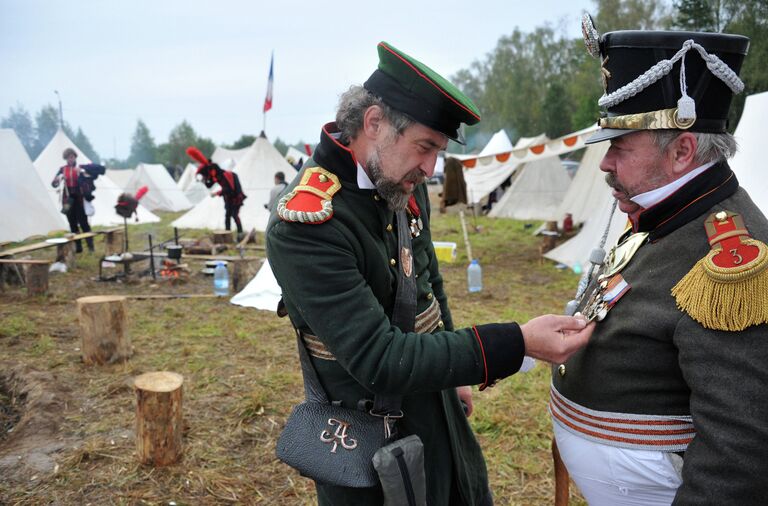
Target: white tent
pixel 26 206
pixel 588 190
pixel 163 194
pixel 221 155
pixel 535 193
pixel 590 201
pixel 262 292
pixel 489 172
pixel 499 143
pixel 107 191
pixel 194 190
pixel 576 250
pixel 749 161
pixel 120 177
pixel 256 171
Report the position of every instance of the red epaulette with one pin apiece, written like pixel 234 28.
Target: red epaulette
pixel 310 200
pixel 728 288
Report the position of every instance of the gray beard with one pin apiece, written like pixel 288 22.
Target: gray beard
pixel 390 191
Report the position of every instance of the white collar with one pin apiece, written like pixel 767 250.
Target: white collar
pixel 653 197
pixel 363 181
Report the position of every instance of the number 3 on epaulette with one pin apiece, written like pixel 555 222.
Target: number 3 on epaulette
pixel 310 200
pixel 727 289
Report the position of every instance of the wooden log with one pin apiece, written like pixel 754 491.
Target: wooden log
pixel 249 237
pixel 159 422
pixel 242 273
pixel 37 278
pixel 562 478
pixel 65 253
pixel 223 237
pixel 114 242
pixel 103 329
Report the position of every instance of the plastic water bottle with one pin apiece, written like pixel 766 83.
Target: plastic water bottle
pixel 221 279
pixel 474 276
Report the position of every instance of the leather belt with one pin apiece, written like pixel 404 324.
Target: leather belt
pixel 426 321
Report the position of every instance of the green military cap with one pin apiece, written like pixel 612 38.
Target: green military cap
pixel 409 86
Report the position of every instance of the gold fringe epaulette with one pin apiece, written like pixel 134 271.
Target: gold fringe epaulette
pixel 728 288
pixel 310 201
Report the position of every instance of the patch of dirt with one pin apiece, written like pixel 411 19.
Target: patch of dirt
pixel 38 401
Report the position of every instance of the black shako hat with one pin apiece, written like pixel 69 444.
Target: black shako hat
pixel 665 79
pixel 409 86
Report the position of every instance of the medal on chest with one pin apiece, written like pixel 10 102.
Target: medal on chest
pixel 611 285
pixel 414 217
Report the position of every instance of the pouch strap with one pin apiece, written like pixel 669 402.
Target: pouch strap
pixel 404 310
pixel 313 389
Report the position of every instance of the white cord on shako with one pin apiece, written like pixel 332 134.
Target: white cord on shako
pixel 686 106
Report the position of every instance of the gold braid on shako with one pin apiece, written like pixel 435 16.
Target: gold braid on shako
pixel 728 288
pixel 310 201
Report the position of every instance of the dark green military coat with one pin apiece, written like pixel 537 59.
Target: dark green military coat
pixel 338 280
pixel 649 357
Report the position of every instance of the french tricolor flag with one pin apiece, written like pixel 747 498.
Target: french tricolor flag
pixel 268 99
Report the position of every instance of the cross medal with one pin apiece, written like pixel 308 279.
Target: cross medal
pixel 611 285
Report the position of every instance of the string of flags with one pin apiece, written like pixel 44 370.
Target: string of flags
pixel 559 146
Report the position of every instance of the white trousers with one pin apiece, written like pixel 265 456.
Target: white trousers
pixel 610 476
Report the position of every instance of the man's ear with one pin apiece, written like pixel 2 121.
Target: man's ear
pixel 682 153
pixel 373 122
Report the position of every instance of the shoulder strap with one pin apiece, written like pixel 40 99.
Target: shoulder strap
pixel 404 311
pixel 313 389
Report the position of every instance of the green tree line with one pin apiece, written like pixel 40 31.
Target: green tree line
pixel 36 134
pixel 544 82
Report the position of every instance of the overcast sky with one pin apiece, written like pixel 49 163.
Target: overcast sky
pixel 163 61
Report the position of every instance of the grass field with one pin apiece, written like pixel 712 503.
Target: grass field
pixel 241 378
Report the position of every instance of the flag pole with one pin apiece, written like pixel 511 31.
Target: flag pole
pixel 268 98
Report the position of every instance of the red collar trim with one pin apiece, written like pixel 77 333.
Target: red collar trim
pixel 333 139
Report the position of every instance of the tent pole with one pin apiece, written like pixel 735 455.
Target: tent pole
pixel 466 236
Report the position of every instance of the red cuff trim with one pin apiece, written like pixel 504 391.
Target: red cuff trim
pixel 485 363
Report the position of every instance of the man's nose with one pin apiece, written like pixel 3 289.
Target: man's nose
pixel 428 165
pixel 606 164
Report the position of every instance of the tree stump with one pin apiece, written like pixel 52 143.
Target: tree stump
pixel 103 331
pixel 37 277
pixel 242 273
pixel 223 237
pixel 159 423
pixel 114 243
pixel 65 253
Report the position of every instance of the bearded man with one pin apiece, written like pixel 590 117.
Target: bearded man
pixel 349 233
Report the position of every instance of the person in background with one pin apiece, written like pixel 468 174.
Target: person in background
pixel 352 230
pixel 454 186
pixel 667 404
pixel 276 190
pixel 76 187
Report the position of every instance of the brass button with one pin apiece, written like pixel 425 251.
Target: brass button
pixel 376 197
pixel 440 324
pixel 392 262
pixel 389 228
pixel 429 296
pixel 561 369
pixel 322 178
